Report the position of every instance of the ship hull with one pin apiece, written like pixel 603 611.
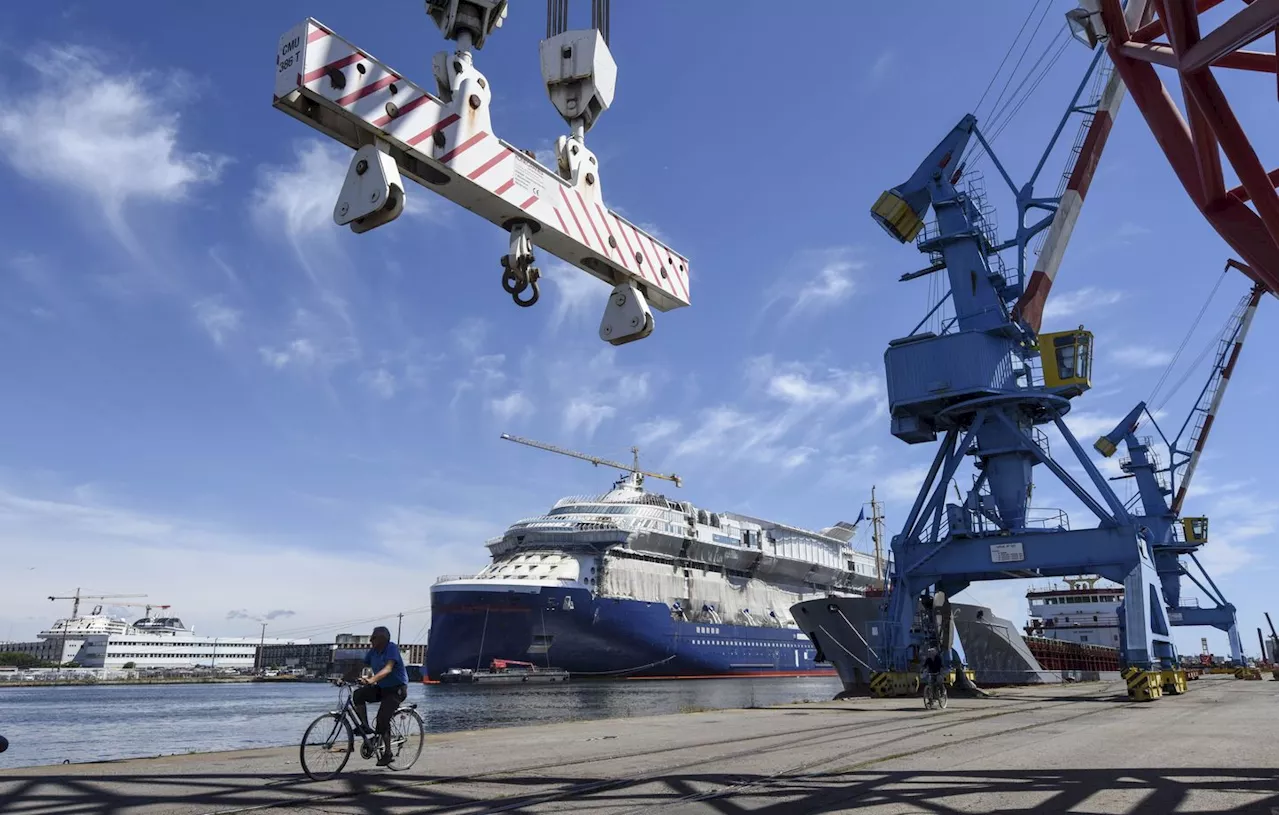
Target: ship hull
pixel 850 635
pixel 589 636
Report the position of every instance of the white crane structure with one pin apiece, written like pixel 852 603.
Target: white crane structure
pixel 77 597
pixel 445 141
pixel 596 460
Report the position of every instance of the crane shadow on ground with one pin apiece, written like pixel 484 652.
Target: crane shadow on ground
pixel 1198 790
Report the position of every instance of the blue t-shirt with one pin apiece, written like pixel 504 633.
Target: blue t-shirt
pixel 378 659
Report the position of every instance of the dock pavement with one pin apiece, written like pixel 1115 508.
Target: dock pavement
pixel 1075 748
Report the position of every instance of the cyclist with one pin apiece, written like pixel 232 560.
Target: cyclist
pixel 932 668
pixel 388 686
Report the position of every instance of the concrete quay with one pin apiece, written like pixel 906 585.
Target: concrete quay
pixel 1077 748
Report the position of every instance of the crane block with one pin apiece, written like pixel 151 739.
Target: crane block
pixel 446 143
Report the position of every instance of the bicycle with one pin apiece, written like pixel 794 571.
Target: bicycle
pixel 935 693
pixel 334 736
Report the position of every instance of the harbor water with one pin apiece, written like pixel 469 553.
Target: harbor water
pixel 52 725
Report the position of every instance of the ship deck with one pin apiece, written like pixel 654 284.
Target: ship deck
pixel 1081 748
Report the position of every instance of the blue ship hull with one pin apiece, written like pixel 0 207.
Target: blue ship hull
pixel 601 637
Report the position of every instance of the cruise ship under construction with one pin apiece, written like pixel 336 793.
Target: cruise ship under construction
pixel 634 584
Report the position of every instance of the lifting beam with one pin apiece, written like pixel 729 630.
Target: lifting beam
pixel 445 141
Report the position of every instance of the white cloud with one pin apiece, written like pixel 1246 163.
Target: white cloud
pixel 880 68
pixel 316 341
pixel 579 298
pixel 469 334
pixel 1069 303
pixel 298 199
pixel 1128 232
pixel 110 546
pixel 511 406
pixel 298 352
pixel 112 136
pixel 902 485
pixel 826 280
pixel 217 319
pixel 381 381
pixel 484 375
pixel 586 415
pixel 795 457
pixel 408 532
pixel 796 410
pixel 1141 356
pixel 656 430
pixel 1088 425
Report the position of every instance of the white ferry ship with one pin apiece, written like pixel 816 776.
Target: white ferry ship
pixel 97 640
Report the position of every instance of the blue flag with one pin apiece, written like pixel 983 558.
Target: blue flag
pixel 862 516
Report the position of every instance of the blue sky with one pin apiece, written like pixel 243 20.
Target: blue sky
pixel 220 399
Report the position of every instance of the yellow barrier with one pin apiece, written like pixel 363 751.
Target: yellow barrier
pixel 894 683
pixel 1144 686
pixel 1173 682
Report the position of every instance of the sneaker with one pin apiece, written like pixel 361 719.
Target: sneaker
pixel 385 759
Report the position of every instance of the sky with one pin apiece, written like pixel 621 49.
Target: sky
pixel 221 400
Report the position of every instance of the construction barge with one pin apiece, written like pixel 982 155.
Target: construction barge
pixel 504 672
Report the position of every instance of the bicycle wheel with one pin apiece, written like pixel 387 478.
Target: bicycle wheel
pixel 927 695
pixel 326 747
pixel 942 697
pixel 407 735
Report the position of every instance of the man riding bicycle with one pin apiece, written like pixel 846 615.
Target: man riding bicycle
pixel 932 668
pixel 388 686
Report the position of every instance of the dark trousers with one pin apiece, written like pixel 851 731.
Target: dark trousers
pixel 388 700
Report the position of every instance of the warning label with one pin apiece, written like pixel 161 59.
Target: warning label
pixel 529 177
pixel 1006 552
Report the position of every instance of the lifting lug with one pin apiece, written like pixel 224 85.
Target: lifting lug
pixel 518 271
pixel 373 193
pixel 627 317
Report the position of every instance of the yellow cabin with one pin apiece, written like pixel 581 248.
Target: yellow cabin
pixel 897 217
pixel 1067 359
pixel 1195 530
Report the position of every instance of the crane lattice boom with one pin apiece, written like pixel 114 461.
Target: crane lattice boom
pixel 634 467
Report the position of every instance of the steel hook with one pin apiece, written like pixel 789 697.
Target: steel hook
pixel 533 298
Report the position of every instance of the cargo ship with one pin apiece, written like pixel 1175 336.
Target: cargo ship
pixel 632 584
pixel 1072 635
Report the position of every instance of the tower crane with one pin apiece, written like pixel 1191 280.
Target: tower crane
pixel 633 468
pixel 444 139
pixel 1171 540
pixel 146 606
pixel 77 597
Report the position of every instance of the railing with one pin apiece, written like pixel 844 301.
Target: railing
pixel 444 578
pixel 1048 518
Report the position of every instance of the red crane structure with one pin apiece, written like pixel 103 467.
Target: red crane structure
pixel 1195 144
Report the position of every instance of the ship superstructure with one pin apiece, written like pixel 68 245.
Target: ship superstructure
pixel 1078 611
pixel 632 583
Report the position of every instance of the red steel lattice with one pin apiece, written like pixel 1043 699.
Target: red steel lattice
pixel 1195 145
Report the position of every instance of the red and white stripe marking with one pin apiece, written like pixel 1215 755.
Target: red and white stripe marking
pixel 1030 306
pixel 1216 399
pixel 480 161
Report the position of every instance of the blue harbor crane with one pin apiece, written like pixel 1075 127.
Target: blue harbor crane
pixel 1175 538
pixel 988 382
